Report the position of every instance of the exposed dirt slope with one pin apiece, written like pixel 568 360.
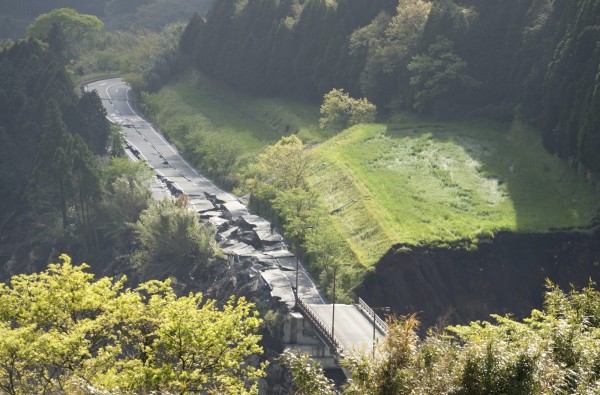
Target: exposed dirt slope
pixel 506 275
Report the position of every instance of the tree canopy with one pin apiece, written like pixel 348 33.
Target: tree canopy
pixel 171 237
pixel 63 331
pixel 536 60
pixel 340 111
pixel 438 75
pixel 74 25
pixel 58 187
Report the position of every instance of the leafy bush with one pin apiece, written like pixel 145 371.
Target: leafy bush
pixel 340 111
pixel 62 331
pixel 170 236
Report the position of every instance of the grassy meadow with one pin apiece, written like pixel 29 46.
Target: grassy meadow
pixel 198 104
pixel 413 182
pixel 409 181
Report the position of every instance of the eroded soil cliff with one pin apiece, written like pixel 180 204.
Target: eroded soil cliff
pixel 504 275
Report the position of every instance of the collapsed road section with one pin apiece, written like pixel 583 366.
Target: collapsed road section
pixel 244 237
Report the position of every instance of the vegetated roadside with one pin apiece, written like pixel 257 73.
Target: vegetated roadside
pixel 411 181
pixel 219 129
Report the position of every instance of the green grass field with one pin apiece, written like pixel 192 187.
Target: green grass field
pixel 410 181
pixel 199 103
pixel 417 183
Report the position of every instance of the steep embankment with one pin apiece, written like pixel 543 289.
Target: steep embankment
pixel 504 275
pixel 418 183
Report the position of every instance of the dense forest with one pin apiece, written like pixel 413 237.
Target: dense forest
pixel 50 143
pixel 65 183
pixel 16 15
pixel 534 60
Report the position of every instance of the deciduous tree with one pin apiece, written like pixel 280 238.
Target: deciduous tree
pixel 170 236
pixel 62 331
pixel 65 28
pixel 307 376
pixel 440 74
pixel 284 164
pixel 387 44
pixel 73 24
pixel 340 111
pixel 554 351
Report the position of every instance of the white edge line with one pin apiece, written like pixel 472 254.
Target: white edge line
pixel 171 147
pixel 141 154
pixel 121 82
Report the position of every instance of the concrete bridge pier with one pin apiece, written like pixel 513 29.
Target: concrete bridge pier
pixel 300 335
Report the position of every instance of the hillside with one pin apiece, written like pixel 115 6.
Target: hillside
pixel 439 177
pixel 535 59
pixel 418 183
pixel 411 181
pixel 220 129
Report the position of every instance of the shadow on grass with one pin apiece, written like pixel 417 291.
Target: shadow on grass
pixel 500 171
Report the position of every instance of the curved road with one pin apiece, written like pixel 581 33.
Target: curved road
pixel 151 145
pixel 275 263
pixel 174 174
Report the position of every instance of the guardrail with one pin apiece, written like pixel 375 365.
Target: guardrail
pixel 371 314
pixel 333 342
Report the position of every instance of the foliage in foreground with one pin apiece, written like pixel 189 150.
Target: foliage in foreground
pixel 61 331
pixel 555 351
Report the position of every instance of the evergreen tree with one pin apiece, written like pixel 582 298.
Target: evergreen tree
pixel 87 118
pixel 44 189
pixel 86 191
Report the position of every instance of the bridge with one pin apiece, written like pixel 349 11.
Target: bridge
pixel 358 327
pixel 322 329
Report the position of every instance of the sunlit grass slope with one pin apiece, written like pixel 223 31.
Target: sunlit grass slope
pixel 411 181
pixel 199 103
pixel 416 183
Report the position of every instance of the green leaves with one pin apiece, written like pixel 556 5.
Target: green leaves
pixel 437 74
pixel 73 24
pixel 387 44
pixel 286 163
pixel 63 331
pixel 340 111
pixel 51 323
pixel 307 375
pixel 555 351
pixel 64 29
pixel 170 236
pixel 543 354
